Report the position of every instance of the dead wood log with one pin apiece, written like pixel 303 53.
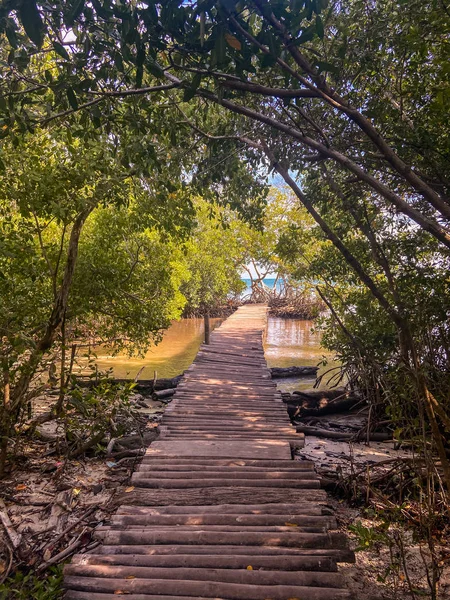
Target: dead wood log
pixel 321 402
pixel 146 386
pixel 134 442
pixel 14 537
pixel 281 372
pixel 319 394
pixel 164 394
pixel 128 453
pixel 338 435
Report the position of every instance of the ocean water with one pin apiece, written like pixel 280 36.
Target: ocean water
pixel 270 282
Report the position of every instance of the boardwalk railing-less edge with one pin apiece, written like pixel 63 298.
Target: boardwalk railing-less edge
pixel 220 510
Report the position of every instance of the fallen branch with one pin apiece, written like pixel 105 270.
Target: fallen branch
pixel 281 372
pixel 161 395
pixel 127 453
pixel 78 543
pixel 110 446
pixel 7 571
pixel 96 439
pixel 337 435
pixel 14 537
pixel 68 529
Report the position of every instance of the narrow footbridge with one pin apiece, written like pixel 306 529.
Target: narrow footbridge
pixel 219 507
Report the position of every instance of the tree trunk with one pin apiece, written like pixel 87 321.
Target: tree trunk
pixel 57 315
pixel 207 327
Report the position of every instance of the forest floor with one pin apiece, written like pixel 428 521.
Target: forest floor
pixel 380 573
pixel 52 505
pixel 394 561
pixel 55 505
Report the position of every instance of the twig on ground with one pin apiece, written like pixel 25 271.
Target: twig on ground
pixel 53 543
pixel 14 537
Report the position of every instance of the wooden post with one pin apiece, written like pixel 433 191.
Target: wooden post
pixel 207 327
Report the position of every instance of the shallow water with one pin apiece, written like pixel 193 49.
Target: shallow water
pixel 288 342
pixel 169 358
pixel 293 342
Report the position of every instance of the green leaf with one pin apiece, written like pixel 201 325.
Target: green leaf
pixel 31 20
pixel 71 97
pixel 267 60
pixel 189 93
pixel 59 49
pixel 306 36
pixel 196 81
pixel 118 62
pixel 229 5
pixel 220 48
pixel 139 76
pixel 75 11
pixel 319 27
pixel 140 55
pixel 154 68
pixel 11 34
pixel 327 67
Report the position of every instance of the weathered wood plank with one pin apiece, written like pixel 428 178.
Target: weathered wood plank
pixel 219 509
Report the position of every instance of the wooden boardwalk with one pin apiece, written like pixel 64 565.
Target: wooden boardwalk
pixel 220 510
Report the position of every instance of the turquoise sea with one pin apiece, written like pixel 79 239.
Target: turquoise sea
pixel 270 282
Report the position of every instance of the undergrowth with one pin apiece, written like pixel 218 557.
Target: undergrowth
pixel 26 585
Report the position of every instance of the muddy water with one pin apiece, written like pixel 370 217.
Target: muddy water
pixel 288 342
pixel 293 342
pixel 169 358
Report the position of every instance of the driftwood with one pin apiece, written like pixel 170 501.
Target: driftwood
pixel 163 395
pixel 321 402
pixel 14 537
pixel 143 385
pixel 281 372
pixel 338 435
pixel 127 453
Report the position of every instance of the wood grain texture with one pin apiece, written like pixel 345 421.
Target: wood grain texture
pixel 218 508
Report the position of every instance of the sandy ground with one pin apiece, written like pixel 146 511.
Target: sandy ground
pixel 378 573
pixel 44 495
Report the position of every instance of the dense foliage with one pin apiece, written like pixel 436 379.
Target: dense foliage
pixel 117 116
pixel 346 101
pixel 91 252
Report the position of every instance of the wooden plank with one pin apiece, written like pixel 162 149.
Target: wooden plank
pixel 242 576
pixel 291 520
pixel 162 588
pixel 280 562
pixel 219 493
pixel 275 449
